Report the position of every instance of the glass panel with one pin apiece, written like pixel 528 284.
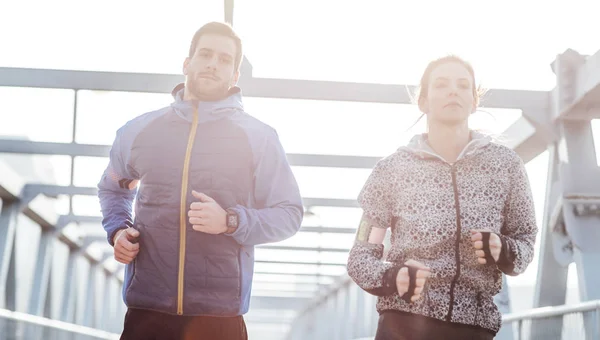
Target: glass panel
pixel 89 170
pixel 309 257
pixel 70 34
pixel 44 169
pixel 354 128
pixel 299 269
pixel 338 241
pixel 101 113
pixel 86 205
pixel 341 183
pixel 36 114
pixel 292 294
pixel 286 287
pixel 338 217
pixel 62 205
pixel 293 278
pixel 393 42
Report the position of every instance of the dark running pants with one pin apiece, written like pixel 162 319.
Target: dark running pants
pixel 149 325
pixel 405 326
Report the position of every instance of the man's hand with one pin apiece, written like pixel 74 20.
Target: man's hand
pixel 402 279
pixel 495 245
pixel 124 250
pixel 207 215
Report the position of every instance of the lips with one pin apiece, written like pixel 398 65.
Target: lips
pixel 453 104
pixel 208 76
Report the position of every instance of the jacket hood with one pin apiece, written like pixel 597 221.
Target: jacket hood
pixel 207 111
pixel 419 146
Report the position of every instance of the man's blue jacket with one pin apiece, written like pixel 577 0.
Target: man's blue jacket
pixel 210 147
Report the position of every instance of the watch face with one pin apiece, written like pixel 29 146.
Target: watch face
pixel 232 220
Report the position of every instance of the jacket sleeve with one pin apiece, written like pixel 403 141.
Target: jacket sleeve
pixel 279 210
pixel 365 265
pixel 117 189
pixel 520 229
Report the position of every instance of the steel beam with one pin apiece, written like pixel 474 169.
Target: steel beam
pixel 252 87
pixel 8 224
pixel 319 249
pixel 228 11
pixel 315 285
pixel 11 184
pixel 49 148
pixel 314 275
pixel 42 211
pixel 55 190
pixel 571 215
pixel 581 182
pixel 89 80
pixel 578 97
pixel 91 150
pixel 277 303
pixel 527 139
pixel 333 161
pixel 328 230
pixel 552 275
pixel 41 276
pixel 306 229
pixel 302 263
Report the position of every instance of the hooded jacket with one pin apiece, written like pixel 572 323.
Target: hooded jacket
pixel 211 147
pixel 431 206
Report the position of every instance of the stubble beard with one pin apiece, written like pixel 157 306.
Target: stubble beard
pixel 204 93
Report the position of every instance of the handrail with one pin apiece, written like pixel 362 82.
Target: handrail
pixel 545 312
pixel 56 324
pixel 341 282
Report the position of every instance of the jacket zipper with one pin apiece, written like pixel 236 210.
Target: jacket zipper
pixel 183 210
pixel 457 243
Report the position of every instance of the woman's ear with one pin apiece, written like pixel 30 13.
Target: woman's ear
pixel 186 62
pixel 423 105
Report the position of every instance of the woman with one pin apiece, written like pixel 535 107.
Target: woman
pixel 460 212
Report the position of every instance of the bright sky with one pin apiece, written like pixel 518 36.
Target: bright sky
pixel 511 45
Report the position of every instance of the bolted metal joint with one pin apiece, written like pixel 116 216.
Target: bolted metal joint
pixel 586 209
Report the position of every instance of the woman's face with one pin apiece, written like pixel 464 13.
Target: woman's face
pixel 450 96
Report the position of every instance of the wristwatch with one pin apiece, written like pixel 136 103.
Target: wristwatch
pixel 232 221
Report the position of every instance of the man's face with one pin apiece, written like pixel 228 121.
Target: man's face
pixel 210 72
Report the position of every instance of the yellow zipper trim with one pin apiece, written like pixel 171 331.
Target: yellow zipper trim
pixel 183 209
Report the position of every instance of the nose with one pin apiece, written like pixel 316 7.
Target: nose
pixel 212 63
pixel 453 90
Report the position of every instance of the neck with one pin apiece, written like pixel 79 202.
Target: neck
pixel 447 140
pixel 189 96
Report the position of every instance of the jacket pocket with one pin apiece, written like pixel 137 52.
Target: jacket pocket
pixel 223 274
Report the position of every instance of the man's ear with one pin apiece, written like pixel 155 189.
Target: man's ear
pixel 235 79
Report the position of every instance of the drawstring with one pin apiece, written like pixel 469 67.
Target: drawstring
pixel 478 308
pixel 428 302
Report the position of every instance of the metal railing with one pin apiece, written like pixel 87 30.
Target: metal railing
pixel 18 325
pixel 344 311
pixel 570 322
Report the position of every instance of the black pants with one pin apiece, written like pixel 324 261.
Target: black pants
pixel 149 325
pixel 405 326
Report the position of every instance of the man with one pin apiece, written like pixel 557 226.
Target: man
pixel 214 182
